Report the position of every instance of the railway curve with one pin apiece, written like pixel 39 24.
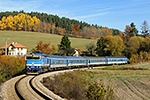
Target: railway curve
pixel 29 87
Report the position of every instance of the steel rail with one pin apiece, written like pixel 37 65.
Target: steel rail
pixel 17 90
pixel 37 91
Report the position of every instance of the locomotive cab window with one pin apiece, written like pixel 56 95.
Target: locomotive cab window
pixel 30 57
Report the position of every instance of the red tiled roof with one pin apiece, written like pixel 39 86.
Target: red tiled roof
pixel 15 45
pixel 4 47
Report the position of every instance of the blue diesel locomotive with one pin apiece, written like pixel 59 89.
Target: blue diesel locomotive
pixel 37 62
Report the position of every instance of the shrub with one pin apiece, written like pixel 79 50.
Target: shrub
pixel 66 86
pixel 75 87
pixel 98 92
pixel 10 66
pixel 141 57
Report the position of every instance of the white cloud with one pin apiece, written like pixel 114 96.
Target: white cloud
pixel 91 15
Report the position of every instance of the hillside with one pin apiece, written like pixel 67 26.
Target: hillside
pixel 46 23
pixel 30 39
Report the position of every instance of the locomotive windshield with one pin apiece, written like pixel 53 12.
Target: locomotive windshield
pixel 32 57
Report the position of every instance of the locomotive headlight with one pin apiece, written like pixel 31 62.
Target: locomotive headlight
pixel 28 68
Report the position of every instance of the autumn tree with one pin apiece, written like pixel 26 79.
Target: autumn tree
pixel 44 48
pixel 129 32
pixel 2 23
pixel 19 22
pixel 114 45
pixel 53 27
pixel 75 29
pixel 146 44
pixel 133 46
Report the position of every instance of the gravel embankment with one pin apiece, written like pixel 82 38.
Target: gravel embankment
pixel 8 89
pixel 39 85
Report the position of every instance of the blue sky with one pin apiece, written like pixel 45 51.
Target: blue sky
pixel 110 13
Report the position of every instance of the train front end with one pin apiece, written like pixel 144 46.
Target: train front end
pixel 33 64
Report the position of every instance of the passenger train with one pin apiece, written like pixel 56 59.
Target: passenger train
pixel 37 62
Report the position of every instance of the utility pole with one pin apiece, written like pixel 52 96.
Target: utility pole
pixel 6 45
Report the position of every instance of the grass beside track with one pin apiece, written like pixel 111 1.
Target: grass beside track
pixel 143 66
pixel 30 39
pixel 126 84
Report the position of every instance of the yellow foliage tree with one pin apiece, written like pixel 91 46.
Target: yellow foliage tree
pixel 114 44
pixel 19 22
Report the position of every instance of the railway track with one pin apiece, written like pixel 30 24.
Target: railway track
pixel 26 90
pixel 29 87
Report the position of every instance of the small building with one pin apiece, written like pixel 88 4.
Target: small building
pixel 15 49
pixel 76 54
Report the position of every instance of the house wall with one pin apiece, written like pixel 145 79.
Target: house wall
pixel 16 51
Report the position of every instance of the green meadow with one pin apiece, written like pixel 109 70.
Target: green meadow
pixel 30 39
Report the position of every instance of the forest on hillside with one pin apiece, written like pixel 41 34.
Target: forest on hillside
pixel 53 24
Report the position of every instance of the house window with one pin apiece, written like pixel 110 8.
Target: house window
pixel 12 53
pixel 21 53
pixel 21 48
pixel 18 49
pixel 18 53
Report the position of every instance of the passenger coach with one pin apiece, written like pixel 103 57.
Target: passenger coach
pixel 116 60
pixel 37 62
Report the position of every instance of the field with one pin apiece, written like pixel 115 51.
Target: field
pixel 126 84
pixel 30 39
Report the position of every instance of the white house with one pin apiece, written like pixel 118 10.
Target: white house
pixel 76 54
pixel 15 49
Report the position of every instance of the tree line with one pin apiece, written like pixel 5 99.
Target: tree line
pixel 137 49
pixel 54 24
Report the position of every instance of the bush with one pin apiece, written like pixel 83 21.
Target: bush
pixel 139 58
pixel 75 87
pixel 66 86
pixel 10 66
pixel 98 92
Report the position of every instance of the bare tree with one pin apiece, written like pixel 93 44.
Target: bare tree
pixel 145 28
pixel 91 48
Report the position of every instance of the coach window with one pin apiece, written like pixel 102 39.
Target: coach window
pixel 62 61
pixel 57 61
pixel 70 61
